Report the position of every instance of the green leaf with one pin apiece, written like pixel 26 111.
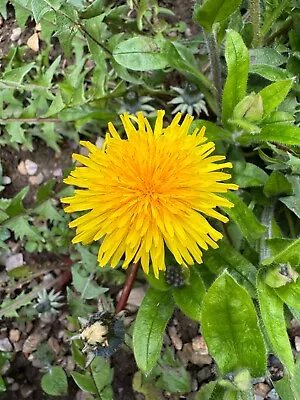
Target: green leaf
pixel 269 72
pixel 154 313
pixel 283 388
pixel 213 132
pixel 277 184
pixel 45 191
pixel 174 380
pixel 3 10
pixel 56 106
pixel 93 10
pixel 237 60
pixel 16 132
pixel 245 219
pixel 290 294
pixel 78 307
pixel 189 297
pixel 16 205
pixel 141 53
pixel 295 380
pixel 292 203
pixel 266 56
pixel 248 175
pixel 39 8
pixel 211 11
pixel 21 228
pixel 228 258
pixel 9 306
pixel 2 385
pixel 271 308
pixel 290 254
pixel 55 382
pixel 85 286
pixel 280 133
pixel 84 382
pixel 17 75
pixel 230 327
pixel 102 373
pixel 78 356
pixel 48 211
pixel 274 94
pixel 206 391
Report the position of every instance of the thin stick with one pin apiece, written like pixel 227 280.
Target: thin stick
pixel 127 287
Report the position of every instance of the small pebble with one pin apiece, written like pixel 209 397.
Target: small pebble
pixel 14 261
pixel 14 387
pixel 205 373
pixel 32 342
pixel 199 345
pixel 57 172
pixel 262 389
pixel 135 299
pixel 26 391
pixel 16 33
pixel 99 142
pixel 22 169
pixel 31 167
pixel 36 180
pixel 5 345
pixel 33 42
pixel 177 342
pixel 14 335
pixel 297 343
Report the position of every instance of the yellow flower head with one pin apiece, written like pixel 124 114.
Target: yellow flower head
pixel 153 188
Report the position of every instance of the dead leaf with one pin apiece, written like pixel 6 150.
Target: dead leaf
pixel 33 42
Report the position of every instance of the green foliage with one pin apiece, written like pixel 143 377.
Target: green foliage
pixel 55 382
pixel 109 51
pixel 153 316
pixel 230 328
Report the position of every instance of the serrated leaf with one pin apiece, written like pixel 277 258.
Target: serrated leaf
pixel 15 131
pixel 16 75
pixel 77 306
pixel 45 191
pixel 55 382
pixel 9 306
pixel 274 94
pixel 141 53
pixel 228 258
pixel 277 184
pixel 85 382
pixel 56 106
pixel 248 175
pixel 85 286
pixel 245 219
pixel 48 211
pixel 189 297
pixel 46 78
pixel 154 313
pixel 21 228
pixel 230 327
pixel 271 308
pixel 16 205
pixel 237 60
pixel 211 11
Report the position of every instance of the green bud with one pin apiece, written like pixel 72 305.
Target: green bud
pixel 250 108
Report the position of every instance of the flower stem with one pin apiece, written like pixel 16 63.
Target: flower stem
pixel 215 66
pixel 255 21
pixel 127 287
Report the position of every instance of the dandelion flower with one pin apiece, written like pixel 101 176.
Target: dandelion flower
pixel 151 189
